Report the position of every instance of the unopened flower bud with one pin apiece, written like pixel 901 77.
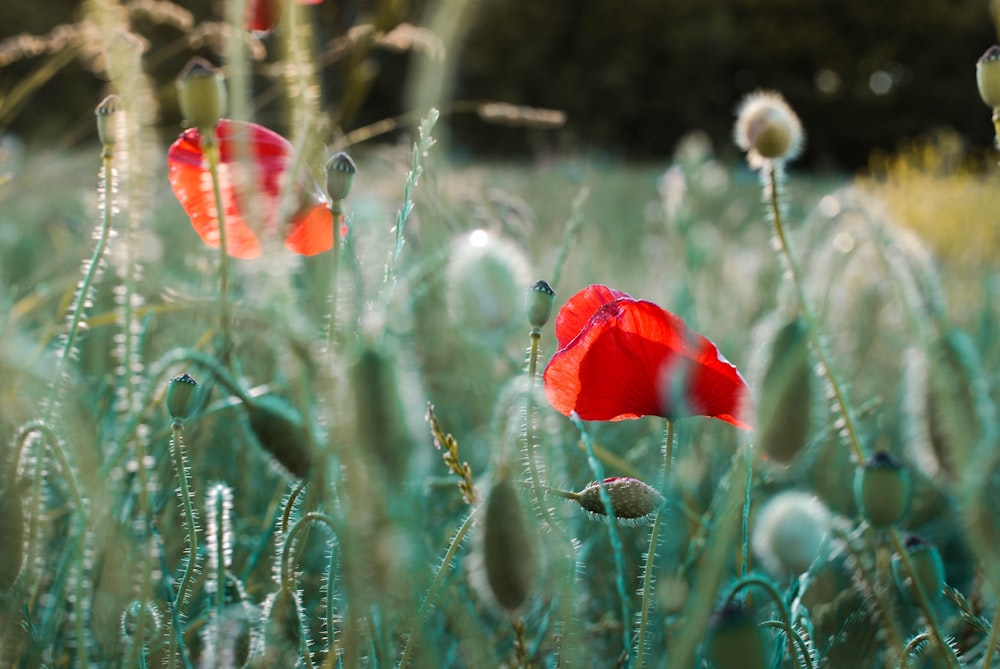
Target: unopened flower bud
pixel 201 92
pixel 767 127
pixel 538 303
pixel 928 569
pixel 882 490
pixel 508 547
pixel 735 641
pixel 340 171
pixel 631 500
pixel 182 396
pixel 108 114
pixel 280 431
pixel 988 77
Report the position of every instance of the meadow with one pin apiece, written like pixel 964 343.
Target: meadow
pixel 320 401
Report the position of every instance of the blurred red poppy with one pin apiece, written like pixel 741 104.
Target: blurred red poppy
pixel 251 191
pixel 262 15
pixel 624 358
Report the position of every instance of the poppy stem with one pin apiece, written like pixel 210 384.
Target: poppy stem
pixel 793 637
pixel 649 562
pixel 191 524
pixel 839 396
pixel 210 144
pixel 337 210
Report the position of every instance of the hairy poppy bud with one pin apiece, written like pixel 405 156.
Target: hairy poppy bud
pixel 508 547
pixel 784 412
pixel 201 93
pixel 988 77
pixel 631 500
pixel 928 569
pixel 108 114
pixel 279 429
pixel 734 640
pixel 538 303
pixel 767 127
pixel 340 171
pixel 882 490
pixel 182 396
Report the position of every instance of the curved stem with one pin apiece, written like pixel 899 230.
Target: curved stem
pixel 210 145
pixel 991 643
pixel 793 635
pixel 904 657
pixel 839 396
pixel 778 602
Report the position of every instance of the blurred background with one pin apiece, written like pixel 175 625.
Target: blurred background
pixel 632 78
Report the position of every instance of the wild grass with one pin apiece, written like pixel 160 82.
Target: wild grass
pixel 328 497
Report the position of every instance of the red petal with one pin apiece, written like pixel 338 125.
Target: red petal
pixel 312 231
pixel 635 359
pixel 262 15
pixel 579 309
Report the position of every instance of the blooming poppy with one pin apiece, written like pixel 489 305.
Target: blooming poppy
pixel 624 358
pixel 262 15
pixel 251 190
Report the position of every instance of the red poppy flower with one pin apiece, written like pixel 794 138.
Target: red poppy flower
pixel 262 15
pixel 624 358
pixel 251 192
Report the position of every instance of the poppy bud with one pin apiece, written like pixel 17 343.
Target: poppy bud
pixel 509 551
pixel 631 499
pixel 882 490
pixel 734 640
pixel 108 118
pixel 767 127
pixel 279 430
pixel 12 531
pixel 988 77
pixel 788 532
pixel 784 412
pixel 201 92
pixel 340 171
pixel 182 396
pixel 538 303
pixel 928 569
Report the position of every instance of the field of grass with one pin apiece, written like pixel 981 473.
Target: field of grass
pixel 365 465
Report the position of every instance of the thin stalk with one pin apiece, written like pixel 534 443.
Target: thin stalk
pixel 782 612
pixel 650 559
pixel 529 427
pixel 210 145
pixel 191 526
pixel 616 544
pixel 337 211
pixel 839 396
pixel 991 643
pixel 923 601
pixel 904 657
pixel 790 633
pixel 996 126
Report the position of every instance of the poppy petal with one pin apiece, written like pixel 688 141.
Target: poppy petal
pixel 579 308
pixel 312 231
pixel 633 359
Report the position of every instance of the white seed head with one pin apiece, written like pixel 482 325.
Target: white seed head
pixel 767 128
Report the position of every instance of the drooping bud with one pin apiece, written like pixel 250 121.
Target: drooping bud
pixel 928 569
pixel 767 128
pixel 201 92
pixel 340 171
pixel 279 430
pixel 882 490
pixel 538 303
pixel 632 501
pixel 182 396
pixel 109 126
pixel 734 640
pixel 508 547
pixel 988 77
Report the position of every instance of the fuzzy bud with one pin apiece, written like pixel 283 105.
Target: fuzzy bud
pixel 767 128
pixel 784 413
pixel 882 490
pixel 631 500
pixel 201 92
pixel 988 77
pixel 108 114
pixel 734 640
pixel 279 430
pixel 928 569
pixel 340 171
pixel 538 303
pixel 182 396
pixel 509 552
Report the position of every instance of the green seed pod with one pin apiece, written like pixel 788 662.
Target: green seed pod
pixel 182 396
pixel 538 303
pixel 735 641
pixel 784 412
pixel 201 92
pixel 340 171
pixel 882 490
pixel 509 550
pixel 12 533
pixel 279 430
pixel 632 501
pixel 988 77
pixel 928 569
pixel 108 114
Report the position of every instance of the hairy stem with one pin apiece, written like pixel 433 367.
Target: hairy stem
pixel 210 145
